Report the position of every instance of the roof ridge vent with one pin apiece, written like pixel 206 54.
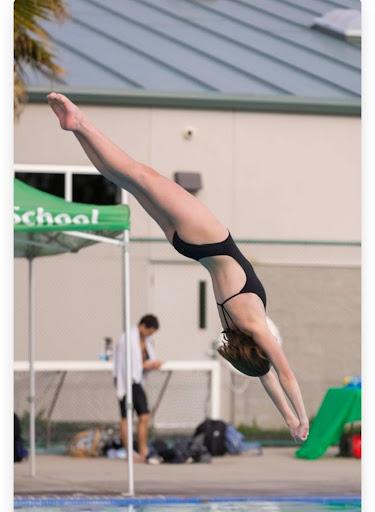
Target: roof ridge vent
pixel 340 23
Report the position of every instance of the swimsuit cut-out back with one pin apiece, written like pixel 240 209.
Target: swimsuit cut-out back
pixel 225 248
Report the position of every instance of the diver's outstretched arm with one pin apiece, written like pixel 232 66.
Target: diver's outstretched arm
pixel 272 386
pixel 265 339
pixel 254 324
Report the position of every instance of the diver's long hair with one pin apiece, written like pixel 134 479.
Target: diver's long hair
pixel 241 351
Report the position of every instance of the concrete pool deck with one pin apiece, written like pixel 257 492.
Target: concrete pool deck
pixel 275 473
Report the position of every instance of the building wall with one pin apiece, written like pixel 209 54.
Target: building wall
pixel 267 176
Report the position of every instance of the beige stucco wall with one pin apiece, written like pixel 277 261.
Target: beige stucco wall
pixel 269 176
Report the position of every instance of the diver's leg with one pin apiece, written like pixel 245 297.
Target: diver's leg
pixel 156 213
pixel 184 212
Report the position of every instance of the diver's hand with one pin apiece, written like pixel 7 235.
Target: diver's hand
pixel 303 431
pixel 293 425
pixel 299 430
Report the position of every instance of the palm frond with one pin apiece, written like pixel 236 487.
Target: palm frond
pixel 32 44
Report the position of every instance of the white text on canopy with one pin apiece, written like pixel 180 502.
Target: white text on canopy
pixel 41 217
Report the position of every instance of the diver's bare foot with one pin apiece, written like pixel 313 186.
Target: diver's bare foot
pixel 69 115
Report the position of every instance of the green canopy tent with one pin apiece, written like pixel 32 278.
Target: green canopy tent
pixel 46 225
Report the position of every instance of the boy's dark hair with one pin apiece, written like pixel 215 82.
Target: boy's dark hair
pixel 150 321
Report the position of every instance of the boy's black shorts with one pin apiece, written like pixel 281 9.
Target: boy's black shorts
pixel 139 401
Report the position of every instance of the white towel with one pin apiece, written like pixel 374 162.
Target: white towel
pixel 119 360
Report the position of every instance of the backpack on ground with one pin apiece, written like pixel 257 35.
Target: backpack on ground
pixel 214 436
pixel 181 451
pixel 171 454
pixel 198 451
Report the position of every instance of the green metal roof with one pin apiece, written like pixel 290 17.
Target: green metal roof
pixel 212 52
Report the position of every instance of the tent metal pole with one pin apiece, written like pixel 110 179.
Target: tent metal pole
pixel 31 366
pixel 129 379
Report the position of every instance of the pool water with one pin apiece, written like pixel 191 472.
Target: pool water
pixel 186 505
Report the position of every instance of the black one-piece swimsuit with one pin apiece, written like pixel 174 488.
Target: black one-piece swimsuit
pixel 226 248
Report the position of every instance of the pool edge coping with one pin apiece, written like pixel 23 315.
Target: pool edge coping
pixel 104 500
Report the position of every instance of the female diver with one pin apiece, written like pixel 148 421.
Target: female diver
pixel 196 233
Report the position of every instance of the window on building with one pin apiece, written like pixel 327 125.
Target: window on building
pixel 53 183
pixel 95 189
pixel 202 293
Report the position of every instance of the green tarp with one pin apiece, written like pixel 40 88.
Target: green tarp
pixel 40 220
pixel 339 407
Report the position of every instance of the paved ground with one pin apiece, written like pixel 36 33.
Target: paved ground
pixel 276 472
